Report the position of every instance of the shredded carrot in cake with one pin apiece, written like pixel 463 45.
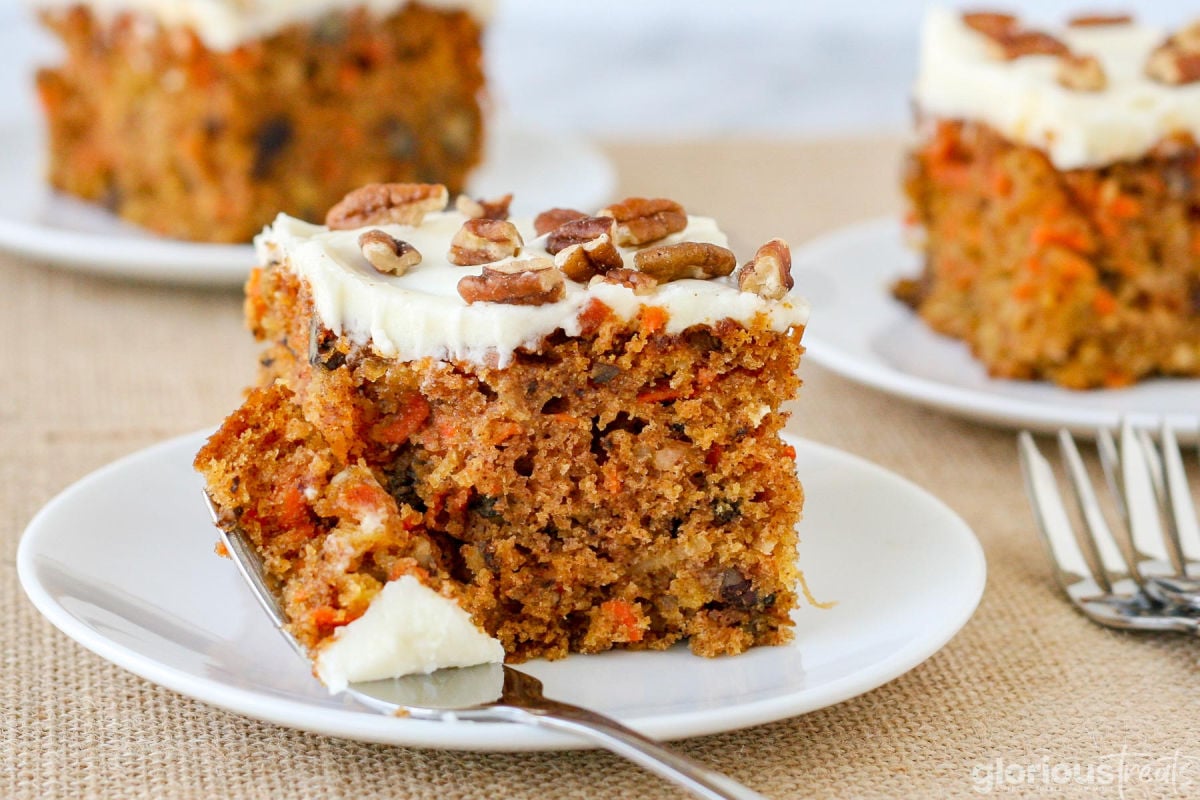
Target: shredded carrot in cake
pixel 406 422
pixel 659 394
pixel 654 319
pixel 505 431
pixel 1104 303
pixel 626 618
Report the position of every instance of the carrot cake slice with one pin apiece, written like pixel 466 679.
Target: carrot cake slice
pixel 1056 187
pixel 201 119
pixel 476 437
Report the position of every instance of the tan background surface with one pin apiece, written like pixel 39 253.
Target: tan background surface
pixel 92 369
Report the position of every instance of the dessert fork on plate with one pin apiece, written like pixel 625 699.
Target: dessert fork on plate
pixel 490 693
pixel 1142 577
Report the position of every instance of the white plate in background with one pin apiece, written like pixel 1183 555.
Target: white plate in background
pixel 858 330
pixel 123 563
pixel 540 169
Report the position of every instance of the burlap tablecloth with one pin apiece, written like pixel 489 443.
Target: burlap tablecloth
pixel 1027 695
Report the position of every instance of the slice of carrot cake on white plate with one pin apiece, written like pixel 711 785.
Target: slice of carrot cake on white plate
pixel 478 438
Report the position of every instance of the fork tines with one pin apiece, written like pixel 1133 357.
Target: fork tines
pixel 1153 551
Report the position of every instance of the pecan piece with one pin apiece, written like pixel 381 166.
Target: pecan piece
pixel 1173 66
pixel 769 273
pixel 1081 73
pixel 534 284
pixel 547 221
pixel 990 23
pixel 386 253
pixel 481 241
pixel 1099 20
pixel 522 265
pixel 379 203
pixel 671 262
pixel 1007 40
pixel 643 220
pixel 639 282
pixel 483 209
pixel 582 261
pixel 1013 44
pixel 578 231
pixel 1188 37
pixel 1176 61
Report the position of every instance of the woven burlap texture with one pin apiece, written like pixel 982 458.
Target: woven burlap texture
pixel 1028 692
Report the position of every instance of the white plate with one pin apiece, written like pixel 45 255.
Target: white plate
pixel 541 170
pixel 858 330
pixel 123 563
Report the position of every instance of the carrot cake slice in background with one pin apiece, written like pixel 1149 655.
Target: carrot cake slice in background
pixel 201 119
pixel 1056 187
pixel 476 436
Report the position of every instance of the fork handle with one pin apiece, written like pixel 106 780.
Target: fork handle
pixel 615 737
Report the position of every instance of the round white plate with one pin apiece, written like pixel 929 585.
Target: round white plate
pixel 123 563
pixel 859 331
pixel 541 170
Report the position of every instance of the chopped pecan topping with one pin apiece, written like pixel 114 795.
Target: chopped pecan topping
pixel 379 203
pixel 1081 73
pixel 990 23
pixel 547 221
pixel 672 262
pixel 581 261
pixel 1173 66
pixel 386 253
pixel 1008 40
pixel 1176 61
pixel 1099 20
pixel 522 265
pixel 578 231
pixel 769 273
pixel 483 209
pixel 641 283
pixel 643 220
pixel 533 282
pixel 481 241
pixel 1016 43
pixel 1188 37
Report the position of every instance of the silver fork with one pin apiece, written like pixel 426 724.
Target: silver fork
pixel 1151 492
pixel 488 694
pixel 1138 580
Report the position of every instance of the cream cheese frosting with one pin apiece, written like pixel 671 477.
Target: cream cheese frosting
pixel 225 24
pixel 407 629
pixel 420 314
pixel 1023 101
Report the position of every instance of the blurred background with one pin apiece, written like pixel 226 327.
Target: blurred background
pixel 682 68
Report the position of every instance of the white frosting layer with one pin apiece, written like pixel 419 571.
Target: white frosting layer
pixel 421 314
pixel 1023 100
pixel 408 629
pixel 225 24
